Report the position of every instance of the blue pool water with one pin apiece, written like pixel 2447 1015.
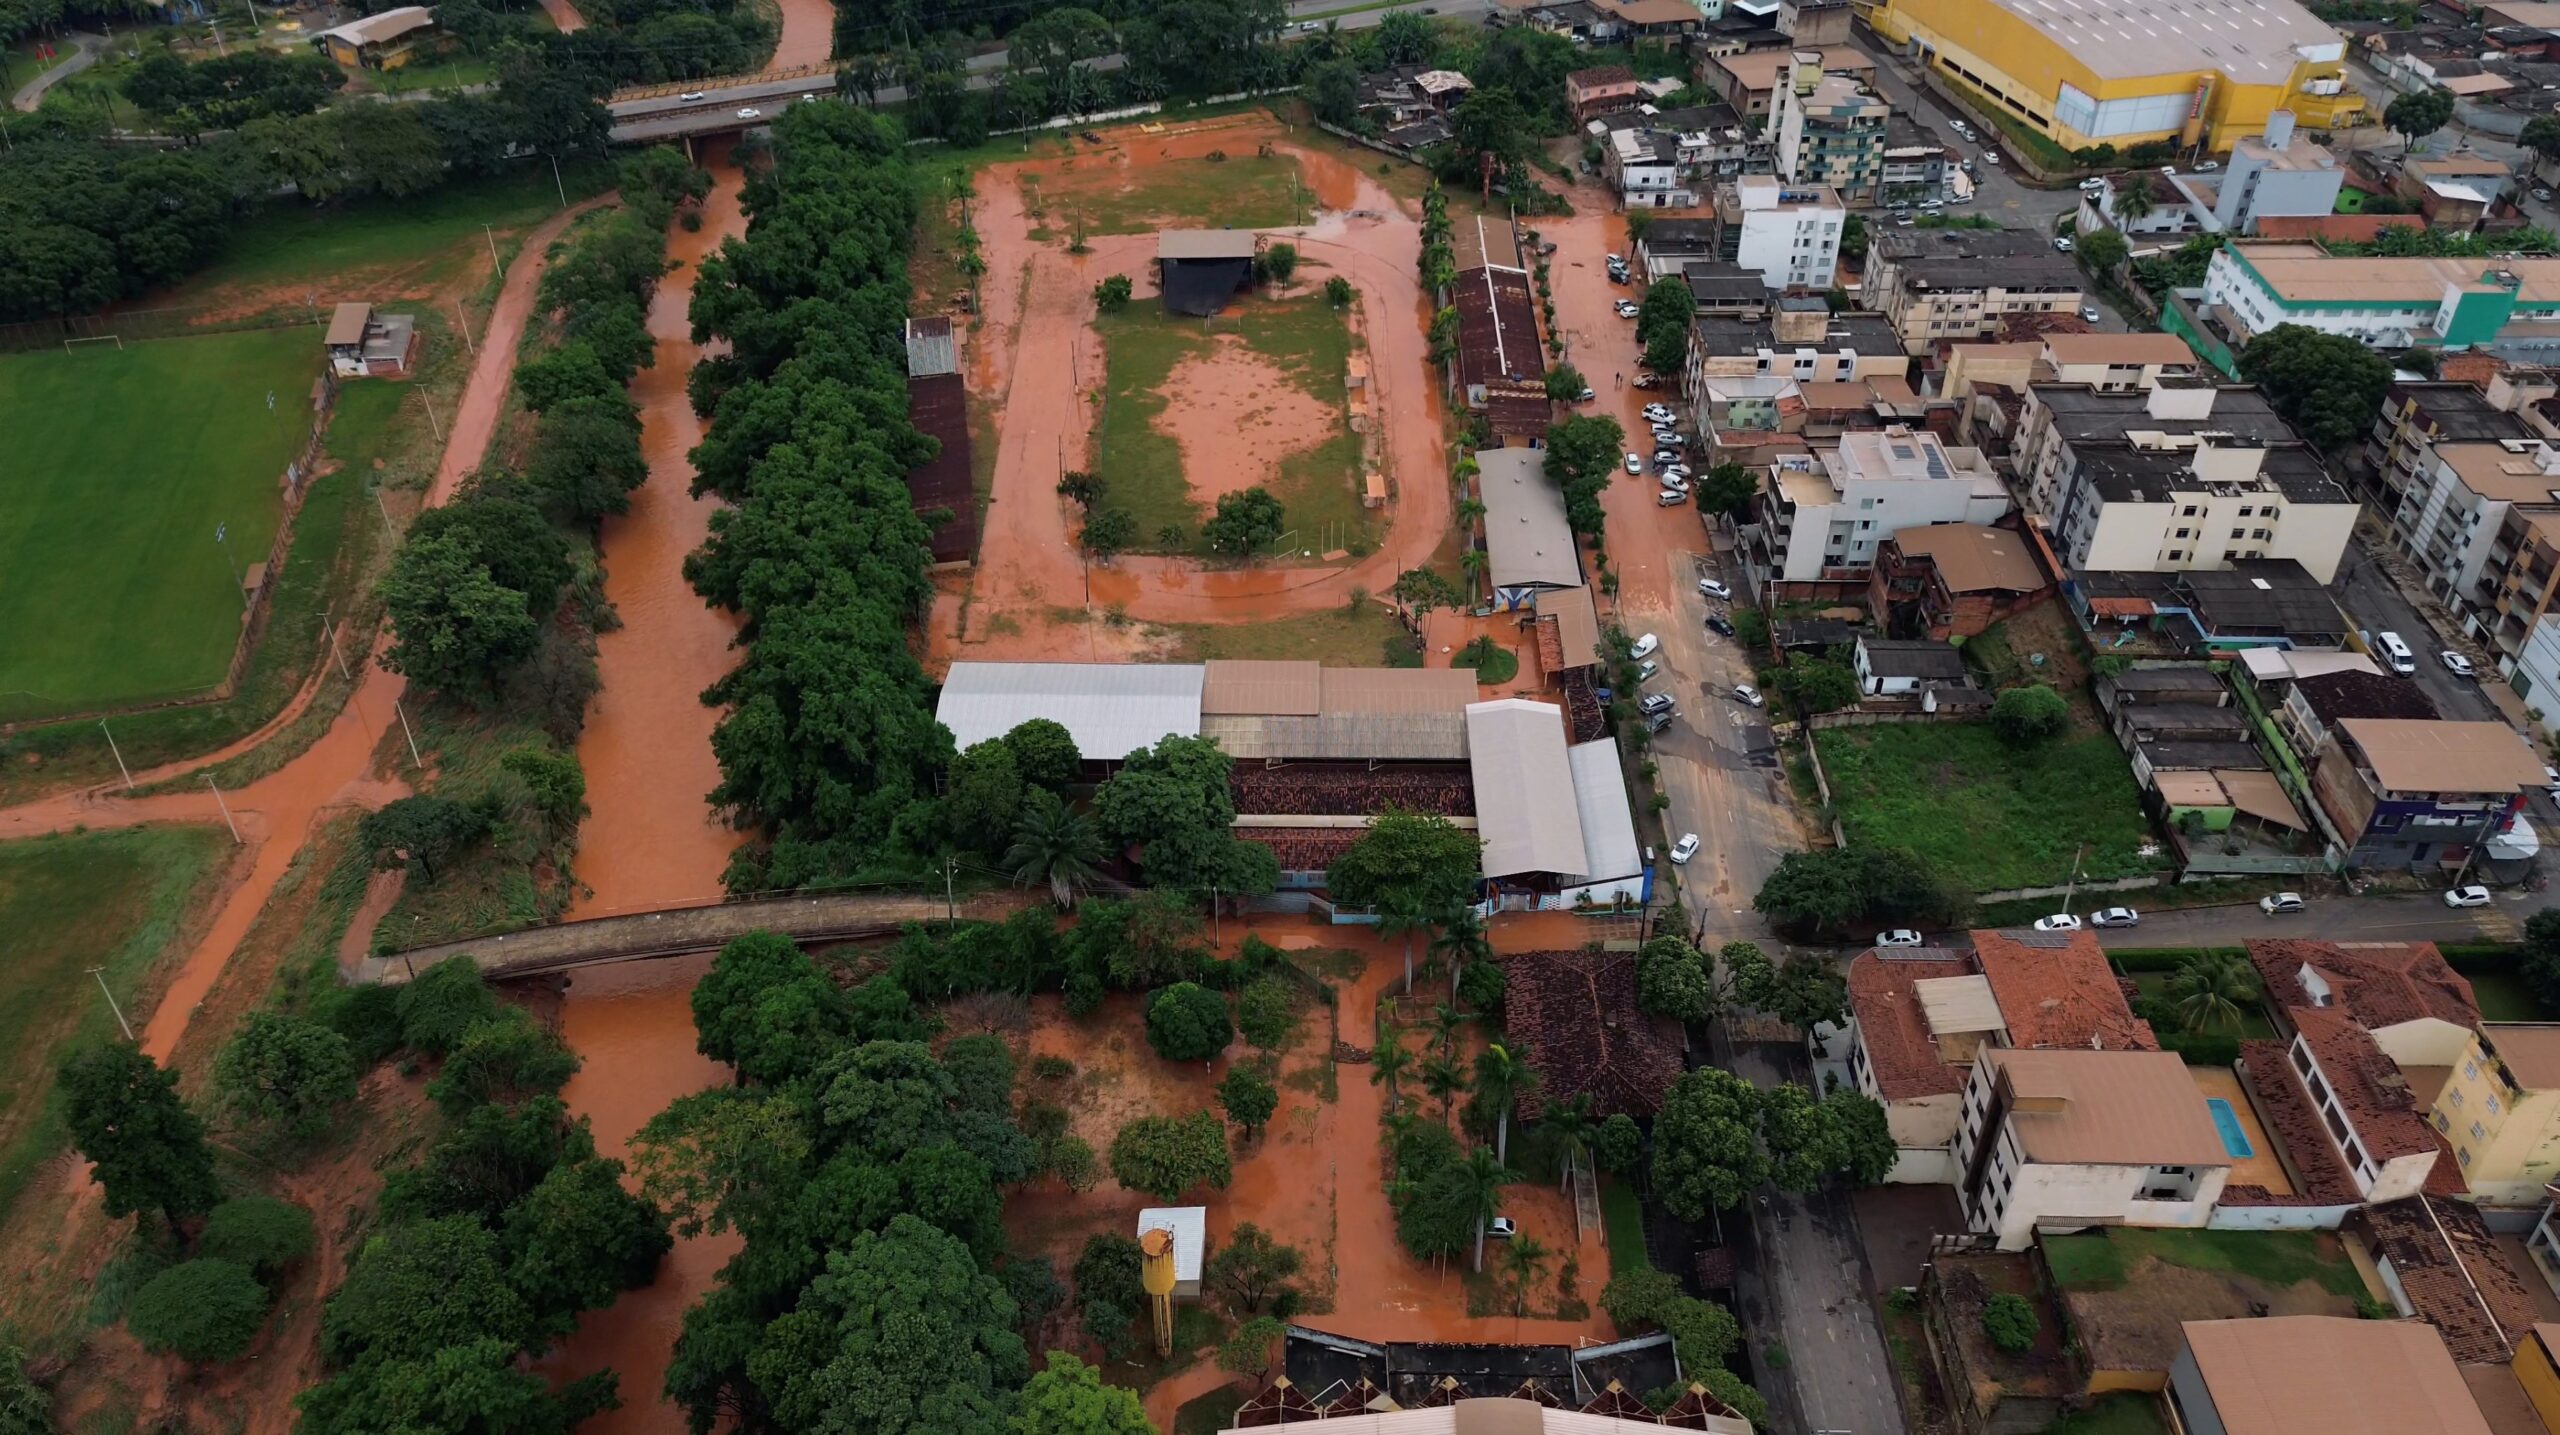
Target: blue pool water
pixel 2227 1121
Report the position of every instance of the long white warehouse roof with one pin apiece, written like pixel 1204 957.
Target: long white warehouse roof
pixel 1110 709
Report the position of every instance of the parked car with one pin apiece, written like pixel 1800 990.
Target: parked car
pixel 2551 780
pixel 1659 413
pixel 1646 381
pixel 1502 1228
pixel 1660 720
pixel 1898 937
pixel 1627 309
pixel 1635 463
pixel 1585 396
pixel 2090 313
pixel 1685 848
pixel 2062 242
pixel 1669 437
pixel 1665 457
pixel 1644 646
pixel 1670 497
pixel 2092 185
pixel 2116 917
pixel 2275 903
pixel 1654 703
pixel 2542 194
pixel 1903 221
pixel 1646 669
pixel 2455 663
pixel 1991 157
pixel 1679 471
pixel 1719 623
pixel 2208 166
pixel 2471 896
pixel 2058 922
pixel 1714 588
pixel 1749 696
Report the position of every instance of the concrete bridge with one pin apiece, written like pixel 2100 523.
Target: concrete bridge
pixel 727 104
pixel 677 931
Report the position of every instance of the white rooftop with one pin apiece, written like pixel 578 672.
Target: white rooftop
pixel 1110 709
pixel 2253 42
pixel 1956 1005
pixel 1609 845
pixel 1526 808
pixel 1190 1227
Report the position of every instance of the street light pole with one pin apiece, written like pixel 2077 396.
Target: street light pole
pixel 119 752
pixel 492 236
pixel 101 974
pixel 227 819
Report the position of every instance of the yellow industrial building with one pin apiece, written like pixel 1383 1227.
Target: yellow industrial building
pixel 2201 73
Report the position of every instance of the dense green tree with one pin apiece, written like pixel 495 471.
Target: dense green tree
pixel 1489 126
pixel 578 1240
pixel 1164 1156
pixel 1835 889
pixel 26 1408
pixel 424 829
pixel 1584 452
pixel 1245 522
pixel 202 1311
pixel 486 1160
pixel 553 779
pixel 1676 980
pixel 1619 1144
pixel 765 1009
pixel 1172 802
pixel 2029 715
pixel 1405 37
pixel 419 1286
pixel 1703 1333
pixel 1662 325
pixel 1332 89
pixel 1730 490
pixel 262 1233
pixel 1188 1022
pixel 1416 868
pixel 1248 1098
pixel 1108 532
pixel 2010 1323
pixel 457 629
pixel 1706 1144
pixel 439 1006
pixel 286 1073
pixel 144 1146
pixel 2328 386
pixel 1044 753
pixel 506 1059
pixel 1805 990
pixel 1054 846
pixel 1636 1299
pixel 1565 383
pixel 474 1386
pixel 1068 1397
pixel 1867 1149
pixel 1251 1270
pixel 2417 114
pixel 2102 251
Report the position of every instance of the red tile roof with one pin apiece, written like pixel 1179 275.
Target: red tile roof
pixel 1900 1050
pixel 2381 984
pixel 2454 1274
pixel 2056 990
pixel 2368 1084
pixel 2285 1109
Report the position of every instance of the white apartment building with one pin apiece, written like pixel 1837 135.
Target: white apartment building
pixel 2064 1140
pixel 1790 234
pixel 2452 516
pixel 2179 477
pixel 1830 128
pixel 1827 514
pixel 1645 167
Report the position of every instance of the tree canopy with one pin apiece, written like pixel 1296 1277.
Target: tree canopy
pixel 2328 386
pixel 146 1148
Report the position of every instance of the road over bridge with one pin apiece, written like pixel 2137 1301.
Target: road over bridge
pixel 816 917
pixel 717 106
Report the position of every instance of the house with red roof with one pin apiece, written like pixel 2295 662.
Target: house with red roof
pixel 2420 1011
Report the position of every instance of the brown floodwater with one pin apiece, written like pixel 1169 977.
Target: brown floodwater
pixel 651 839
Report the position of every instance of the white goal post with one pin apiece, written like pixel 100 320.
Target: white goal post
pixel 98 339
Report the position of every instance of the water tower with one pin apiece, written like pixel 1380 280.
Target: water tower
pixel 1156 1273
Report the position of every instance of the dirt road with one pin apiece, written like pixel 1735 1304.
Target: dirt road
pixel 1037 359
pixel 808 34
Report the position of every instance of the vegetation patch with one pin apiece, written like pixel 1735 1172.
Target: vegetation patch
pixel 2279 1258
pixel 1364 637
pixel 1239 192
pixel 1987 814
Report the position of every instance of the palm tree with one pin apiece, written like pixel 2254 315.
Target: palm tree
pixel 1482 1192
pixel 1469 510
pixel 1523 1264
pixel 1462 940
pixel 1444 1079
pixel 1399 917
pixel 1055 844
pixel 1446 1022
pixel 2211 990
pixel 1390 1062
pixel 2133 201
pixel 1502 1079
pixel 1571 1125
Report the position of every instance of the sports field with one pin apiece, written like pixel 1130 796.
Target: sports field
pixel 123 463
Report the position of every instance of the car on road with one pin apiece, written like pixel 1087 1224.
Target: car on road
pixel 2090 313
pixel 1715 588
pixel 1665 457
pixel 1669 438
pixel 1719 623
pixel 1660 720
pixel 1903 221
pixel 2092 184
pixel 2542 194
pixel 1628 309
pixel 1585 396
pixel 2276 903
pixel 751 114
pixel 1655 703
pixel 1646 669
pixel 2455 663
pixel 1991 157
pixel 2474 895
pixel 1685 848
pixel 1898 937
pixel 2116 917
pixel 691 97
pixel 1670 497
pixel 1646 381
pixel 2208 166
pixel 2058 922
pixel 1749 696
pixel 1644 646
pixel 1635 463
pixel 2062 242
pixel 1659 412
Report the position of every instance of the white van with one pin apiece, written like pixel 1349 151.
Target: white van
pixel 2396 654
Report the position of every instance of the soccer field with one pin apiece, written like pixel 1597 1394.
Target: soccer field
pixel 121 465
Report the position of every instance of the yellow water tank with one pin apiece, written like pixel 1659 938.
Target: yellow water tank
pixel 1155 1270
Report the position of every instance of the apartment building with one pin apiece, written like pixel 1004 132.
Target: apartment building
pixel 1690 149
pixel 1822 522
pixel 1830 129
pixel 2067 1139
pixel 2478 520
pixel 1951 285
pixel 2255 285
pixel 1643 165
pixel 2182 475
pixel 1794 336
pixel 2418 414
pixel 1789 234
pixel 2500 1110
pixel 2418 796
pixel 2364 1102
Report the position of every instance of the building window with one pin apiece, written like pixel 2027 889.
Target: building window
pixel 2471 1071
pixel 2454 1096
pixel 2238 532
pixel 2479 1132
pixel 2464 1153
pixel 2185 533
pixel 2491 1102
pixel 2230 555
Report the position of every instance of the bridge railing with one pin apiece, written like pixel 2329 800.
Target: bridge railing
pixel 720 82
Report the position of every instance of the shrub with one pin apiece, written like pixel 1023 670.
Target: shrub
pixel 1112 294
pixel 2029 715
pixel 201 1311
pixel 262 1233
pixel 1188 1022
pixel 2010 1323
pixel 1636 1299
pixel 1266 1012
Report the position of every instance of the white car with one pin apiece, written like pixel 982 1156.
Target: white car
pixel 1655 703
pixel 2551 779
pixel 1685 848
pixel 2058 922
pixel 2062 242
pixel 2455 663
pixel 751 114
pixel 1898 937
pixel 1659 413
pixel 2472 896
pixel 1627 309
pixel 2208 166
pixel 1715 589
pixel 691 96
pixel 1678 471
pixel 1502 1228
pixel 1644 646
pixel 2275 903
pixel 1991 157
pixel 2116 917
pixel 1670 497
pixel 1635 463
pixel 1749 696
pixel 2090 313
pixel 1646 669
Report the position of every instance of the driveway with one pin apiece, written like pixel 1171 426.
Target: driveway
pixel 84 53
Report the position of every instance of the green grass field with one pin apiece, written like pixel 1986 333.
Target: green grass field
pixel 128 460
pixel 1241 192
pixel 1305 338
pixel 2109 1260
pixel 291 243
pixel 69 903
pixel 1989 816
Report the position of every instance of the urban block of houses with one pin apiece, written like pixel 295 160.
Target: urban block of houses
pixel 1788 234
pixel 1906 667
pixel 1603 89
pixel 1954 580
pixel 1659 158
pixel 1409 104
pixel 1821 522
pixel 1502 364
pixel 1795 337
pixel 1950 285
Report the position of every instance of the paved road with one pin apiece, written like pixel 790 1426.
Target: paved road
pixel 2370 597
pixel 84 53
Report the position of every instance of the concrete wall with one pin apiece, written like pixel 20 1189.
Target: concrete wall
pixel 2279 1218
pixel 2194 1402
pixel 2063 1197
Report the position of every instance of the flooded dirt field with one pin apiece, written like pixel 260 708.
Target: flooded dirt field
pixel 1237 417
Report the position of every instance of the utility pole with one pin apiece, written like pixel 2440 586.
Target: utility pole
pixel 492 236
pixel 227 819
pixel 2075 876
pixel 462 316
pixel 387 530
pixel 330 626
pixel 950 905
pixel 402 714
pixel 119 752
pixel 101 974
pixel 556 184
pixel 429 405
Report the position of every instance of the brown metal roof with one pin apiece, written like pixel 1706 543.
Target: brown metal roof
pixel 2280 1375
pixel 346 325
pixel 1236 685
pixel 1577 624
pixel 1974 558
pixel 2115 1108
pixel 1397 690
pixel 2415 755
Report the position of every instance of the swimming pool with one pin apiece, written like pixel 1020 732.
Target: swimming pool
pixel 2227 1121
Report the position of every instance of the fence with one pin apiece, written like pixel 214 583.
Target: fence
pixel 142 324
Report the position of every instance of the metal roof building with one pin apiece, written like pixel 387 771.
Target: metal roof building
pixel 1544 808
pixel 1527 541
pixel 1305 710
pixel 1111 709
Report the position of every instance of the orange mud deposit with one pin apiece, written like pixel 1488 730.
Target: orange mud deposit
pixel 650 838
pixel 1036 361
pixel 1237 417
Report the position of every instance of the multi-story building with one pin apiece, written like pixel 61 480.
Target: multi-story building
pixel 2418 414
pixel 1795 337
pixel 2182 475
pixel 2278 173
pixel 2252 286
pixel 2115 363
pixel 1601 90
pixel 1830 129
pixel 2419 796
pixel 1822 523
pixel 1916 160
pixel 1954 580
pixel 2059 1140
pixel 1707 144
pixel 2364 1103
pixel 2195 76
pixel 1950 285
pixel 1643 165
pixel 2500 1110
pixel 1749 80
pixel 1789 233
pixel 2481 521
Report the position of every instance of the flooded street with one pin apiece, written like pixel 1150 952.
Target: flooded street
pixel 650 839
